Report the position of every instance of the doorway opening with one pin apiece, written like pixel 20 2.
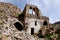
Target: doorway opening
pixel 32 31
pixel 45 23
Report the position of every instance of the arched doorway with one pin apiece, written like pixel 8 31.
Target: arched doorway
pixel 45 23
pixel 18 26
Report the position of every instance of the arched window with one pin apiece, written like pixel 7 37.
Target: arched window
pixel 35 23
pixel 18 26
pixel 45 23
pixel 31 11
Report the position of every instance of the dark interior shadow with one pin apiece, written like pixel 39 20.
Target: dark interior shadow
pixel 18 26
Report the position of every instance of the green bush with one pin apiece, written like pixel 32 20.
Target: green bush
pixel 48 36
pixel 58 38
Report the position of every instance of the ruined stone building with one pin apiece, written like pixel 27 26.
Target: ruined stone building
pixel 32 20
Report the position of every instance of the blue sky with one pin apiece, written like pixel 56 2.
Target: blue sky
pixel 49 8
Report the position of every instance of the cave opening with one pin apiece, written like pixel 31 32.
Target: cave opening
pixel 18 26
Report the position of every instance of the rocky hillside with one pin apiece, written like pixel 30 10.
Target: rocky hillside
pixel 8 17
pixel 57 25
pixel 7 9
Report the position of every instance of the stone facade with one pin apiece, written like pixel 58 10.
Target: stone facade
pixel 32 21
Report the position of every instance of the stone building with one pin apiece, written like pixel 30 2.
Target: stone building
pixel 32 19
